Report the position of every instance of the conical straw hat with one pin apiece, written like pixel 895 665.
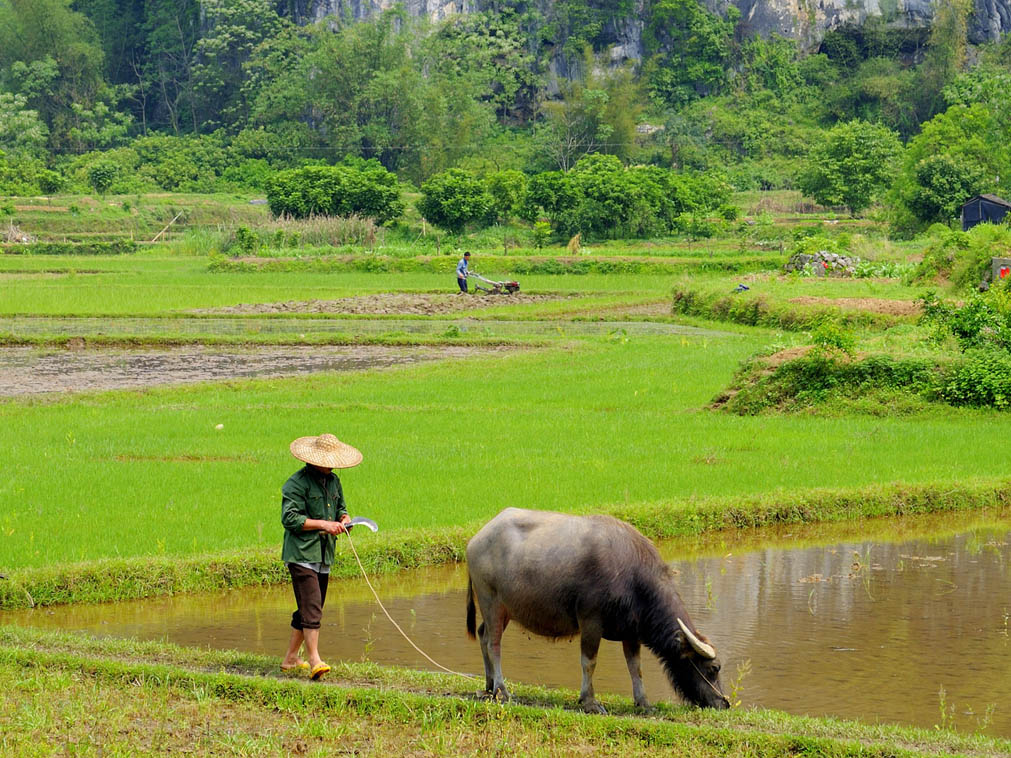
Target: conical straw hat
pixel 326 451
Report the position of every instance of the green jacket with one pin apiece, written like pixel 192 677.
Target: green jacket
pixel 307 495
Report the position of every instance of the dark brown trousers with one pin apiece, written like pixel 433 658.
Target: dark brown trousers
pixel 310 594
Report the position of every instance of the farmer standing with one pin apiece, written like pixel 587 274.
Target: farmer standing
pixel 313 512
pixel 461 271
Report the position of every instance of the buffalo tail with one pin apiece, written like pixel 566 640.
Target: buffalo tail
pixel 471 614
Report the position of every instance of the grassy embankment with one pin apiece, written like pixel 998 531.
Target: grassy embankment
pixel 105 697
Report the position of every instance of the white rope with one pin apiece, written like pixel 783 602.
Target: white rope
pixel 402 632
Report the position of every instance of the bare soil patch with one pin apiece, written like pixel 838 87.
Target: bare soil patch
pixel 29 371
pixel 776 360
pixel 427 304
pixel 871 304
pixel 657 309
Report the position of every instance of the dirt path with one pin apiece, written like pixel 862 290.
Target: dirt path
pixel 872 304
pixel 27 371
pixel 424 304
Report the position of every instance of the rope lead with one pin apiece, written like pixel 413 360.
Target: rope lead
pixel 395 624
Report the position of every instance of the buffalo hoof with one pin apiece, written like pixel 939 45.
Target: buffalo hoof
pixel 592 706
pixel 499 694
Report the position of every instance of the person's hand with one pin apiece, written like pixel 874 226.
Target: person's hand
pixel 333 527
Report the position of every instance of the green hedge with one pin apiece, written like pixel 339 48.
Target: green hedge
pixel 367 190
pixel 115 247
pixel 977 379
pixel 755 310
pixel 498 264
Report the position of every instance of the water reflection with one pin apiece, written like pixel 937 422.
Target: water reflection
pixel 856 628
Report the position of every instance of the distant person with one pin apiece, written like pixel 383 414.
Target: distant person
pixel 313 513
pixel 461 271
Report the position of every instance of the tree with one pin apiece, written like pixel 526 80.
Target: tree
pixel 232 30
pixel 356 187
pixel 50 54
pixel 164 74
pixel 689 51
pixel 851 166
pixel 22 132
pixel 507 188
pixel 943 184
pixel 946 51
pixel 454 199
pixel 972 136
pixel 101 175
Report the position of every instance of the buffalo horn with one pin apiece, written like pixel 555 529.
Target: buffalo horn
pixel 702 648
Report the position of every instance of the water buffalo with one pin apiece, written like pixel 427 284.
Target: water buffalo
pixel 559 575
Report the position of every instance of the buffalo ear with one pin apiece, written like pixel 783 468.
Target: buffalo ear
pixel 702 648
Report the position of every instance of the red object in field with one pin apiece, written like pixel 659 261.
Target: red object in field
pixel 1004 271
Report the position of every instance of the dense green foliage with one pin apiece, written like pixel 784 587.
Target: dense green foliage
pixel 983 322
pixel 362 189
pixel 963 258
pixel 120 97
pixel 454 199
pixel 851 166
pixel 602 198
pixel 884 384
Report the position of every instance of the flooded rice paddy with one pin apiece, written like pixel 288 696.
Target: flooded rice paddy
pixel 891 622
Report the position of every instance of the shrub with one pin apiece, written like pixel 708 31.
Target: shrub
pixel 367 190
pixel 983 379
pixel 983 321
pixel 50 182
pixel 454 199
pixel 601 198
pixel 101 175
pixel 963 257
pixel 830 338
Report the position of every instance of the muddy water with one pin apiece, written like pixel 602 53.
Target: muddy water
pixel 842 624
pixel 26 371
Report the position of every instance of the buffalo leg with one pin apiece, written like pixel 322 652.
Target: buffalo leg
pixel 589 644
pixel 489 671
pixel 631 649
pixel 490 633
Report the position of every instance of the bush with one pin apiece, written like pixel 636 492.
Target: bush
pixel 101 176
pixel 963 257
pixel 983 379
pixel 811 380
pixel 50 182
pixel 831 339
pixel 367 190
pixel 601 198
pixel 984 321
pixel 456 198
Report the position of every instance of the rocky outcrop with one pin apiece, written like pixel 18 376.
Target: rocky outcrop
pixel 803 20
pixel 310 11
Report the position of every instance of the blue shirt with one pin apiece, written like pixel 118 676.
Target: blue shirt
pixel 461 269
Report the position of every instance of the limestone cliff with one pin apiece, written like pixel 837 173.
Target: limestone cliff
pixel 803 20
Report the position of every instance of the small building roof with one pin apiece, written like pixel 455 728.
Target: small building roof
pixel 989 198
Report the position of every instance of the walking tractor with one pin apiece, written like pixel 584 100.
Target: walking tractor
pixel 494 288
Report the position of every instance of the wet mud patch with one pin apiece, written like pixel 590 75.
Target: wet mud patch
pixel 391 304
pixel 30 371
pixel 870 304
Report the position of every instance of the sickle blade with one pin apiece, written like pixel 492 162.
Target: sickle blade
pixel 362 521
